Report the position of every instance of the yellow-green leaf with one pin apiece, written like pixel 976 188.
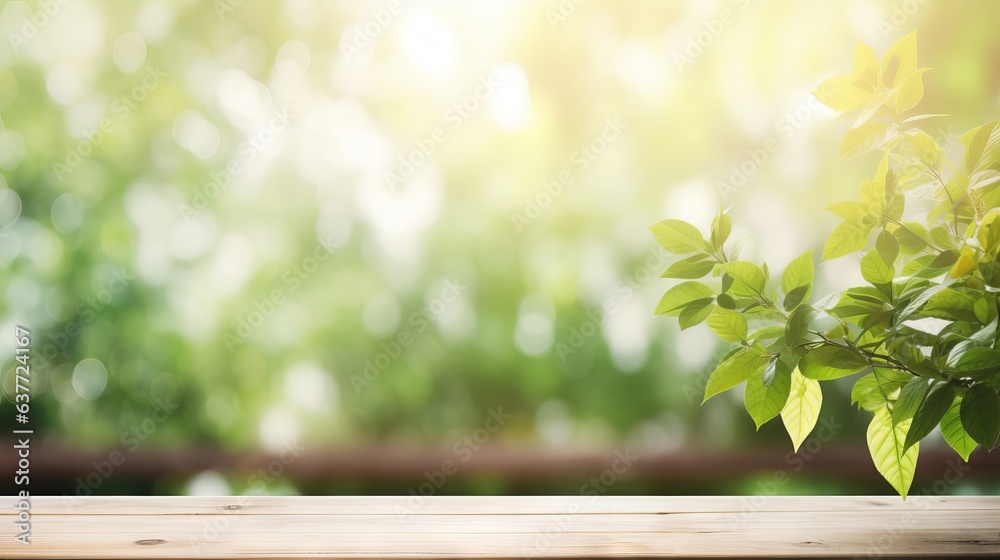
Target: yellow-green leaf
pixel 798 273
pixel 845 92
pixel 909 92
pixel 900 60
pixel 690 268
pixel 801 411
pixel 954 433
pixel 885 442
pixel 830 362
pixel 876 270
pixel 750 278
pixel 845 239
pixel 727 324
pixel 764 402
pixel 866 64
pixel 865 138
pixel 678 236
pixel 735 369
pixel 924 148
pixel 682 295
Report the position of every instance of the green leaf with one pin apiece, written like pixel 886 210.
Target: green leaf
pixel 887 247
pixel 950 303
pixel 749 279
pixel 831 362
pixel 978 361
pixel 912 238
pixel 690 268
pixel 865 138
pixel 725 301
pixel 923 147
pixel 876 270
pixel 990 269
pixel 982 309
pixel 727 324
pixel 735 369
pixel 982 338
pixel 918 302
pixel 981 146
pixel 885 443
pixel 681 295
pixel 910 399
pixel 764 401
pixel 801 410
pixel 944 259
pixel 795 297
pixel 798 325
pixel 798 273
pixel 769 332
pixel 722 226
pixel 678 236
pixel 931 411
pixel 695 312
pixel 857 302
pixel 908 354
pixel 875 390
pixel 954 433
pixel 942 237
pixel 980 414
pixel 845 239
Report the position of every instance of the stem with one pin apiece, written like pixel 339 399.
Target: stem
pixel 890 363
pixel 929 244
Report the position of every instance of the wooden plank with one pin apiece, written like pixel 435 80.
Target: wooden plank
pixel 504 527
pixel 462 505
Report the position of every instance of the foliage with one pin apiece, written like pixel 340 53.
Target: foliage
pixel 922 334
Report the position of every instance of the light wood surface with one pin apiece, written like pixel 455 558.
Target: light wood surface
pixel 504 527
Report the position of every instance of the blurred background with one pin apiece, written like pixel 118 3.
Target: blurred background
pixel 338 247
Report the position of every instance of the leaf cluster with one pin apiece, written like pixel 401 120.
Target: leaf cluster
pixel 921 335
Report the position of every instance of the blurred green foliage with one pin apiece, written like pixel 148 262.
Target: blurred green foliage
pixel 175 174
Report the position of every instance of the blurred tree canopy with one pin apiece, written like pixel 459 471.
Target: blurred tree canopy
pixel 345 222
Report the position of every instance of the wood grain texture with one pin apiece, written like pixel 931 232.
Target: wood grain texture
pixel 505 527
